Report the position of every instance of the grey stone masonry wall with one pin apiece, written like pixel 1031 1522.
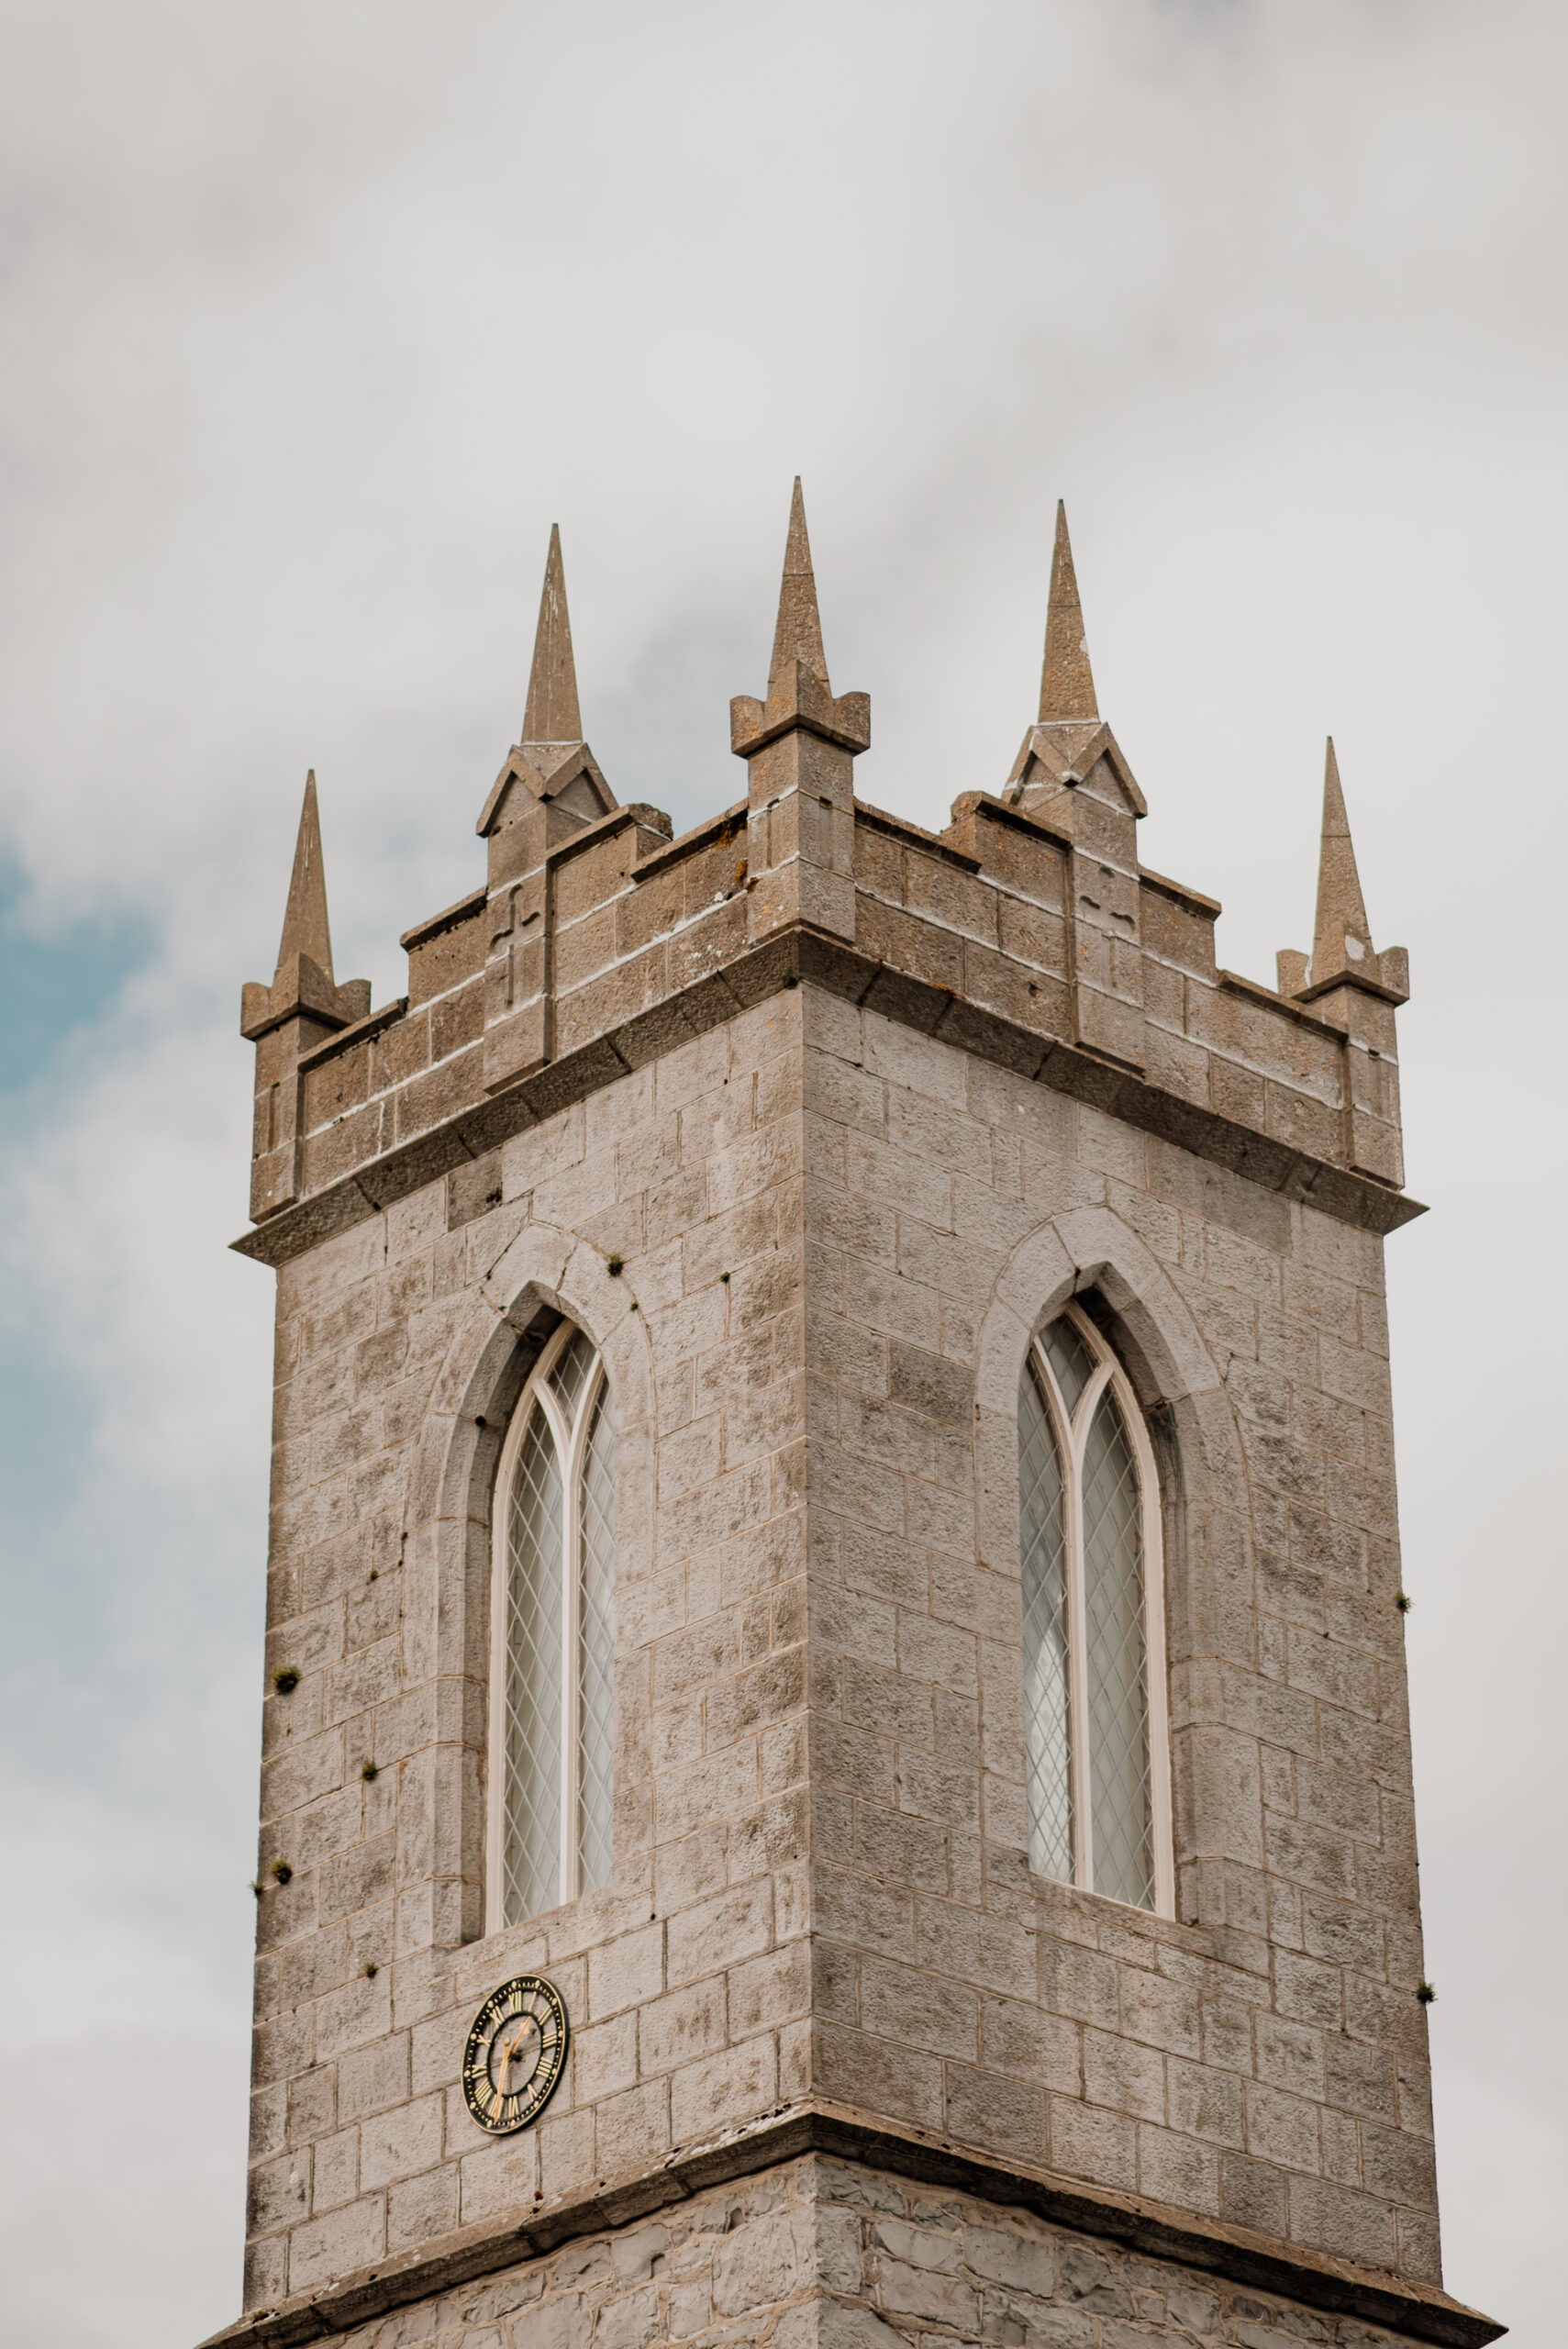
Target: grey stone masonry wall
pixel 401 1347
pixel 836 1235
pixel 830 2255
pixel 1261 2057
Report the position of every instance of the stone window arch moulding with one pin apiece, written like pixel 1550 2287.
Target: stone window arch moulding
pixel 545 1275
pixel 550 1736
pixel 1097 1749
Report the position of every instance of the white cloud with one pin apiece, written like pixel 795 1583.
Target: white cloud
pixel 317 318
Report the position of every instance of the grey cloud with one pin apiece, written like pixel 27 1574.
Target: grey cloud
pixel 315 318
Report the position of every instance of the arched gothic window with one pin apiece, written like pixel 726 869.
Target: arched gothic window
pixel 553 1638
pixel 1097 1762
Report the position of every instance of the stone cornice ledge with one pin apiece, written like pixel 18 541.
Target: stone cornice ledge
pixel 1418 2312
pixel 762 971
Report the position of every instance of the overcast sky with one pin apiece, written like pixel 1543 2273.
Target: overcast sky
pixel 313 318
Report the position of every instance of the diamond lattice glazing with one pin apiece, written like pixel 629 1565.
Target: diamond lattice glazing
pixel 596 1650
pixel 530 1859
pixel 1119 1807
pixel 1045 1638
pixel 1071 1364
pixel 569 1376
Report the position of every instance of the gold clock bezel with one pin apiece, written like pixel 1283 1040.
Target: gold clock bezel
pixel 499 2115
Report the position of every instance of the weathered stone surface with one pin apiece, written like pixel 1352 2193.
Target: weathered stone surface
pixel 818 1605
pixel 846 2255
pixel 807 1121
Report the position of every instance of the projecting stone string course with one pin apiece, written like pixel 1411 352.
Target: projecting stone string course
pixel 852 1108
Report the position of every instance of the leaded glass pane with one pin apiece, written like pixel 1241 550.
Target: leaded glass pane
pixel 570 1375
pixel 530 1854
pixel 1120 1806
pixel 1071 1364
pixel 1045 1638
pixel 596 1651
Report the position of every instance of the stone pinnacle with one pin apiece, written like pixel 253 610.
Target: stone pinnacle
pixel 798 635
pixel 1066 682
pixel 1342 938
pixel 552 715
pixel 305 921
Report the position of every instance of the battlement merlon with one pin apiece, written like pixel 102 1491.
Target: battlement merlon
pixel 1027 932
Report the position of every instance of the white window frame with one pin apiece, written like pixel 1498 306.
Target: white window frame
pixel 1109 1372
pixel 572 1451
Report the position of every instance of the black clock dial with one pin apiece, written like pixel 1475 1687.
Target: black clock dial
pixel 516 2053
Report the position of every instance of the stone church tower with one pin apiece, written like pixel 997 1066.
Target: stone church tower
pixel 835 1761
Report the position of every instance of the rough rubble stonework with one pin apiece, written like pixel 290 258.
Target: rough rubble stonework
pixel 830 2255
pixel 851 1108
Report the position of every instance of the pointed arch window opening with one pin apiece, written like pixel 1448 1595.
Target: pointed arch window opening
pixel 1097 1745
pixel 552 1640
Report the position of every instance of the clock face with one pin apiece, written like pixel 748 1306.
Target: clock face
pixel 516 2053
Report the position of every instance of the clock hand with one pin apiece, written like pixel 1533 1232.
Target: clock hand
pixel 510 2050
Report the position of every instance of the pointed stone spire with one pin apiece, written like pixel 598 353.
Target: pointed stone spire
pixel 1342 952
pixel 552 762
pixel 303 984
pixel 800 746
pixel 798 692
pixel 305 929
pixel 1069 748
pixel 1066 681
pixel 1342 938
pixel 549 790
pixel 798 635
pixel 552 715
pixel 1355 990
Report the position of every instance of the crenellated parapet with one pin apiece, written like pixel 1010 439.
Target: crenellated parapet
pixel 1029 930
